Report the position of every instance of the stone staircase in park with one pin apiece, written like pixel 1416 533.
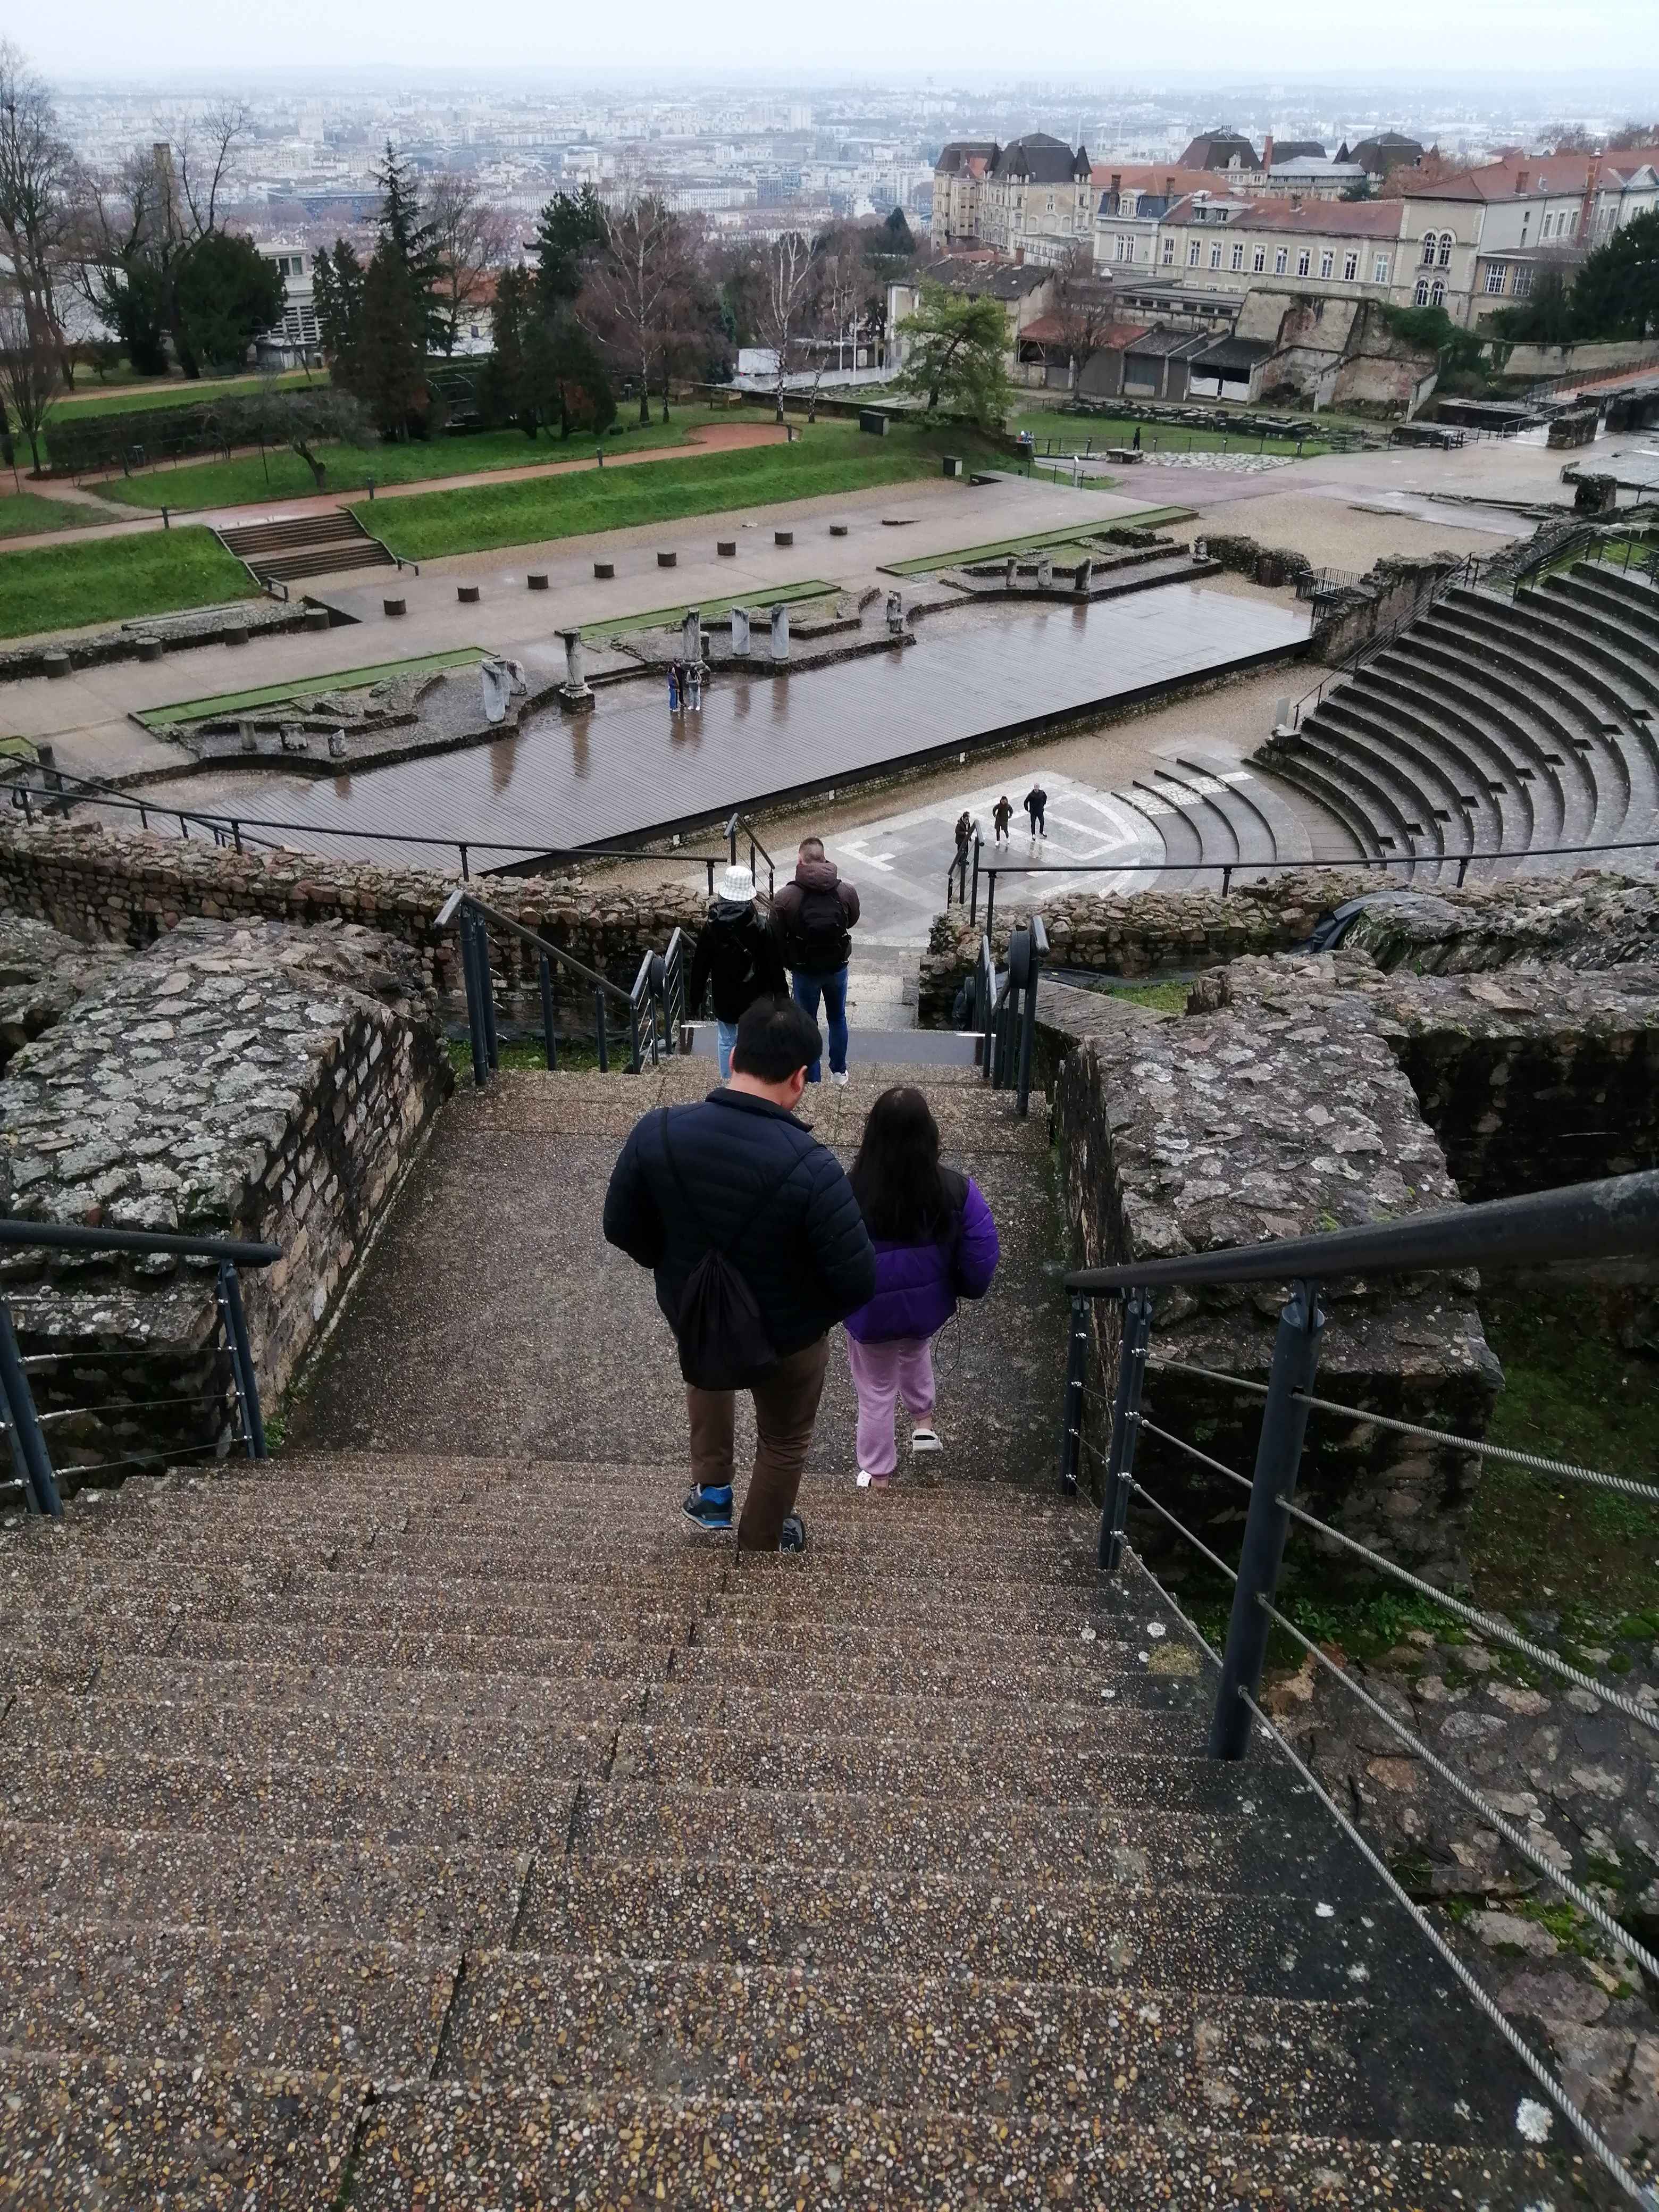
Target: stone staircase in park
pixel 424 1820
pixel 282 551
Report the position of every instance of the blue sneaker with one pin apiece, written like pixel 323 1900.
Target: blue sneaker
pixel 709 1509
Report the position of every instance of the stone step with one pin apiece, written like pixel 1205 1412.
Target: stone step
pixel 113 2136
pixel 875 1921
pixel 892 1717
pixel 259 1882
pixel 484 1811
pixel 308 2003
pixel 574 1737
pixel 453 2146
pixel 443 1685
pixel 771 1649
pixel 1014 1841
pixel 937 1764
pixel 443 1639
pixel 1022 1680
pixel 826 2036
pixel 752 1600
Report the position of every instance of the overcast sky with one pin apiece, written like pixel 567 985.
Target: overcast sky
pixel 866 38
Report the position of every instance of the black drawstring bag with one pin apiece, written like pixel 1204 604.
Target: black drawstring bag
pixel 723 1342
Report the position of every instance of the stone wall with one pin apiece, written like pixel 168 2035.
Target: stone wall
pixel 257 1081
pixel 1590 921
pixel 1278 1108
pixel 1392 592
pixel 42 974
pixel 114 887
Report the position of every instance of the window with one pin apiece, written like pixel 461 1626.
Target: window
pixel 1303 261
pixel 1350 268
pixel 1437 294
pixel 1571 220
pixel 1281 262
pixel 1238 257
pixel 1380 269
pixel 1051 203
pixel 1444 255
pixel 1421 297
pixel 1194 250
pixel 1523 281
pixel 1169 251
pixel 1259 259
pixel 1549 225
pixel 1495 276
pixel 1428 245
pixel 1215 255
pixel 1326 263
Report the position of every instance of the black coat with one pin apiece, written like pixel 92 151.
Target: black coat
pixel 806 1255
pixel 739 955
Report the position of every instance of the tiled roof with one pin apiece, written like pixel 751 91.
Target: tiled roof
pixel 1326 218
pixel 1042 159
pixel 1050 330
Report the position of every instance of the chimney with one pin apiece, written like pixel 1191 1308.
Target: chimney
pixel 1521 177
pixel 1267 151
pixel 1169 188
pixel 1019 257
pixel 1296 201
pixel 1117 180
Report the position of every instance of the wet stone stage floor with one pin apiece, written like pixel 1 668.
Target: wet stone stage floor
pixel 628 765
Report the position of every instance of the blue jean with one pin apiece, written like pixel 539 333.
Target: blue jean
pixel 726 1036
pixel 832 989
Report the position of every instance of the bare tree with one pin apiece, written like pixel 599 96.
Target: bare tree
pixel 30 374
pixel 791 276
pixel 632 301
pixel 1084 308
pixel 198 165
pixel 36 169
pixel 474 240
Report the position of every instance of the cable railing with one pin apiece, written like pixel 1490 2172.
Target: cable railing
pixel 652 1007
pixel 1005 1011
pixel 57 1372
pixel 1468 571
pixel 1578 1223
pixel 59 789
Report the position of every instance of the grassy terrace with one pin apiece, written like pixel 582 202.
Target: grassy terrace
pixel 828 458
pixel 110 580
pixel 271 694
pixel 1074 434
pixel 170 391
pixel 27 514
pixel 279 474
pixel 820 598
pixel 1067 541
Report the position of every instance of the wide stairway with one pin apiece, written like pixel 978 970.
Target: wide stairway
pixel 1493 725
pixel 305 545
pixel 425 1819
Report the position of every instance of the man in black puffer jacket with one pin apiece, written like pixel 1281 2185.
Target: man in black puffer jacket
pixel 739 1175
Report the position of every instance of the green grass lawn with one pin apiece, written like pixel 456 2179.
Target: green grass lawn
pixel 171 391
pixel 1055 541
pixel 601 632
pixel 824 458
pixel 26 515
pixel 271 694
pixel 109 580
pixel 283 474
pixel 1074 434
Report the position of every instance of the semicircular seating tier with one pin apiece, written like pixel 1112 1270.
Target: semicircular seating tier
pixel 1521 726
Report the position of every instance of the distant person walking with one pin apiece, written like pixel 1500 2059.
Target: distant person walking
pixel 737 958
pixel 758 1248
pixel 814 917
pixel 1036 803
pixel 1001 815
pixel 935 1242
pixel 1135 443
pixel 674 694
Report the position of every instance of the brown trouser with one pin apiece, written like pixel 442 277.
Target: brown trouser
pixel 785 1406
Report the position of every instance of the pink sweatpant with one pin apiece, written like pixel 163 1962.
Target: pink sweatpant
pixel 882 1375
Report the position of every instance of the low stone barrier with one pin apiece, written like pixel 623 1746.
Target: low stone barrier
pixel 257 1081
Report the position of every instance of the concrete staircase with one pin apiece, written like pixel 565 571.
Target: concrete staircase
pixel 437 1825
pixel 305 545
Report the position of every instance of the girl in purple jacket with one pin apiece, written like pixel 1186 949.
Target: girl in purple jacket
pixel 935 1242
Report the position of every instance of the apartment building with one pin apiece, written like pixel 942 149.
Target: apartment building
pixel 295 340
pixel 1034 197
pixel 1133 200
pixel 1511 218
pixel 959 190
pixel 1340 248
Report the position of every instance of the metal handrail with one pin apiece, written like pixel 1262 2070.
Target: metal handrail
pixel 1467 571
pixel 22 1419
pixel 1580 1221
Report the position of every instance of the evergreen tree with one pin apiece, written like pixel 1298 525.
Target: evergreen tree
pixel 568 376
pixel 956 356
pixel 337 290
pixel 504 382
pixel 568 231
pixel 409 240
pixel 389 364
pixel 227 293
pixel 1617 292
pixel 898 234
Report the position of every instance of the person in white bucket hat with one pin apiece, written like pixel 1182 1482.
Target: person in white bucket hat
pixel 737 960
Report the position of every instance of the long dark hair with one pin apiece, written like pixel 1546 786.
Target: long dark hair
pixel 896 1178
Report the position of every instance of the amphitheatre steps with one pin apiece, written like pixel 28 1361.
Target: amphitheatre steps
pixel 289 548
pixel 1523 726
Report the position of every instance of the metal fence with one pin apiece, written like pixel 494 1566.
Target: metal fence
pixel 1104 1429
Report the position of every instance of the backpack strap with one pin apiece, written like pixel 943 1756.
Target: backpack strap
pixel 771 1191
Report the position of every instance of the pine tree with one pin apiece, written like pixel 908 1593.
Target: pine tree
pixel 506 389
pixel 389 364
pixel 337 288
pixel 410 239
pixel 569 228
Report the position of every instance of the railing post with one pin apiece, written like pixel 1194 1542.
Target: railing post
pixel 599 1033
pixel 241 1359
pixel 634 1062
pixel 1071 1416
pixel 486 993
pixel 990 898
pixel 1277 1462
pixel 1036 939
pixel 28 1444
pixel 1126 1428
pixel 474 999
pixel 973 895
pixel 549 1040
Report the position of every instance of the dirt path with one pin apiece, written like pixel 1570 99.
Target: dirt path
pixel 712 438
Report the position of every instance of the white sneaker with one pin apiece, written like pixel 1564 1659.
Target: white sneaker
pixel 925 1438
pixel 840 1077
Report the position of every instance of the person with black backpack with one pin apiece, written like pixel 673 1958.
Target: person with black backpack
pixel 758 1248
pixel 814 917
